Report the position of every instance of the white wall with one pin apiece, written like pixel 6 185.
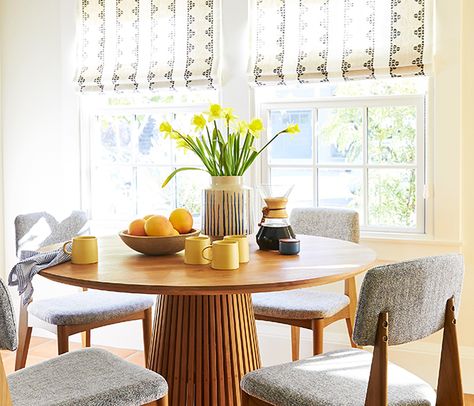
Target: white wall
pixel 41 153
pixel 40 116
pixel 40 110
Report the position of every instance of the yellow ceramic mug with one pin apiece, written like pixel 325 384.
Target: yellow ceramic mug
pixel 84 250
pixel 224 254
pixel 193 247
pixel 244 249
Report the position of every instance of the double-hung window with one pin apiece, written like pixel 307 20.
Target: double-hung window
pixel 137 62
pixel 352 75
pixel 361 146
pixel 126 157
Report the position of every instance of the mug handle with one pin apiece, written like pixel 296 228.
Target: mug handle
pixel 202 253
pixel 64 247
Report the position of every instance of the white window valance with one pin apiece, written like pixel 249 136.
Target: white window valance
pixel 138 44
pixel 322 40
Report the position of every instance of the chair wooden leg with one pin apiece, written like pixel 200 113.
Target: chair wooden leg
pixel 5 397
pixel 24 338
pixel 295 343
pixel 63 340
pixel 350 324
pixel 317 325
pixel 244 398
pixel 163 401
pixel 86 339
pixel 377 388
pixel 160 402
pixel 248 400
pixel 449 390
pixel 350 290
pixel 147 326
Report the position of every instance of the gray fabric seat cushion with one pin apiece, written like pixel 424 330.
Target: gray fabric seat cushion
pixel 342 224
pixel 301 304
pixel 336 378
pixel 86 377
pixel 87 307
pixel 8 336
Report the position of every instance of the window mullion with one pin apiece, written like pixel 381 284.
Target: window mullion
pixel 365 170
pixel 315 158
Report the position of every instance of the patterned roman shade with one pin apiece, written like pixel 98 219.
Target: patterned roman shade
pixel 322 40
pixel 147 44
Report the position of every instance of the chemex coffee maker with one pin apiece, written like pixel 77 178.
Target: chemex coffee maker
pixel 274 224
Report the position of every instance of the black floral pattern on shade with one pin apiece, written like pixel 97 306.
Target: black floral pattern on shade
pixel 142 49
pixel 349 52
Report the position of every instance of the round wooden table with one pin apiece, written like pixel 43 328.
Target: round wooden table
pixel 204 336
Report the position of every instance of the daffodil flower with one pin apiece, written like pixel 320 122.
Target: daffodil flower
pixel 199 122
pixel 222 154
pixel 215 112
pixel 180 143
pixel 256 126
pixel 242 127
pixel 228 114
pixel 166 127
pixel 293 129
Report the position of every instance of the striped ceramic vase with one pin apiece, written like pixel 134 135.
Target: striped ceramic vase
pixel 227 207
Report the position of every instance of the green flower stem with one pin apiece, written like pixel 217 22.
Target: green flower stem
pixel 212 146
pixel 229 155
pixel 269 142
pixel 172 174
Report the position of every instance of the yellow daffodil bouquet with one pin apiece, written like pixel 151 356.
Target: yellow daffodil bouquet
pixel 229 155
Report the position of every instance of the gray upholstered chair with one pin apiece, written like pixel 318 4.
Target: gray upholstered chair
pixel 399 303
pixel 75 313
pixel 86 377
pixel 312 308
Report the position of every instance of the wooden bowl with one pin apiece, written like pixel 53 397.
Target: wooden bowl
pixel 150 245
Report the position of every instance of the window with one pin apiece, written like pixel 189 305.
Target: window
pixel 361 146
pixel 127 158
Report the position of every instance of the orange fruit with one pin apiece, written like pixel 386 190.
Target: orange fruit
pixel 147 216
pixel 137 227
pixel 174 232
pixel 182 220
pixel 158 226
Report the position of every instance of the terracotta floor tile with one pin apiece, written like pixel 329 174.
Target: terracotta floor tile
pixel 38 341
pixel 9 363
pixel 138 358
pixel 49 349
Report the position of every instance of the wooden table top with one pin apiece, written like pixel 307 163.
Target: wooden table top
pixel 321 261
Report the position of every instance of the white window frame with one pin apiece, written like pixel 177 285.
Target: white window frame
pixel 363 102
pixel 89 110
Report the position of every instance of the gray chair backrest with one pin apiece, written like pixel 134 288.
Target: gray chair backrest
pixel 414 293
pixel 342 224
pixel 36 230
pixel 8 339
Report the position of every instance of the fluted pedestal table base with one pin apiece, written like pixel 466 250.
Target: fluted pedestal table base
pixel 203 345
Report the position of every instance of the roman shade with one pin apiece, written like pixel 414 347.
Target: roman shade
pixel 136 44
pixel 323 40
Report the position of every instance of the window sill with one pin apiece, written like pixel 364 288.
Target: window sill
pixel 402 238
pixel 398 246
